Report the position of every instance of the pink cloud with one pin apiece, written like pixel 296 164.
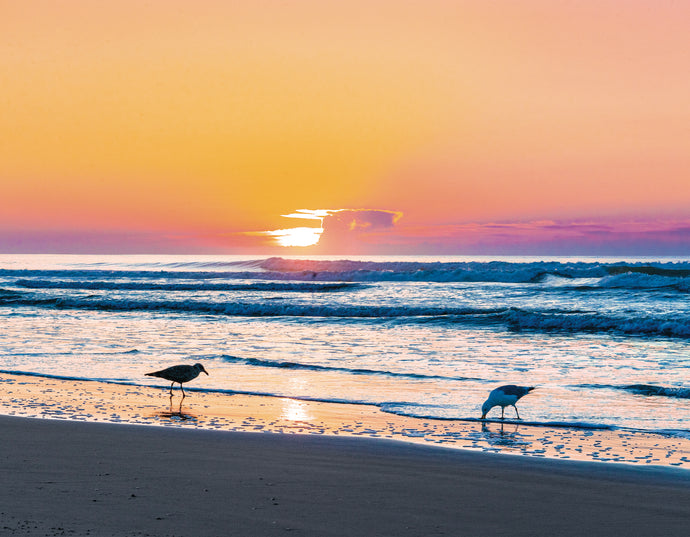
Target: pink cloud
pixel 662 237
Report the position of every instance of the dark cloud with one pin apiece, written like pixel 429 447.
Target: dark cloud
pixel 360 220
pixel 352 230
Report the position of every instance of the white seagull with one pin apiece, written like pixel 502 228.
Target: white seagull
pixel 179 374
pixel 504 396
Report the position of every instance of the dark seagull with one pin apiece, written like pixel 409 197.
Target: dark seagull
pixel 179 374
pixel 504 396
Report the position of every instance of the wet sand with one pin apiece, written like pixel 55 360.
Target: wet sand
pixel 74 478
pixel 30 396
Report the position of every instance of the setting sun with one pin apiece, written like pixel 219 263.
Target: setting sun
pixel 297 236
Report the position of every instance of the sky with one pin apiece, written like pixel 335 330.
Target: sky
pixel 496 127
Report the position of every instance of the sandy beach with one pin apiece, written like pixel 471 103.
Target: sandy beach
pixel 72 478
pixel 84 458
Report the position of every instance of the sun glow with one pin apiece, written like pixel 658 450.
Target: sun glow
pixel 297 236
pixel 301 236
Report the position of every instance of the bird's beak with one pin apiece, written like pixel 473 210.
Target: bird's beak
pixel 205 371
pixel 483 416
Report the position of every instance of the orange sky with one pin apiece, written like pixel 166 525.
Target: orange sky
pixel 198 124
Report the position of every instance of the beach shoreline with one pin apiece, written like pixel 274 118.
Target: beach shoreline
pixel 77 400
pixel 65 477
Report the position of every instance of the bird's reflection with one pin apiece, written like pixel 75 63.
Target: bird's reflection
pixel 503 436
pixel 175 412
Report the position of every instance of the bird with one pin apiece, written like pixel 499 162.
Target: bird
pixel 504 396
pixel 179 373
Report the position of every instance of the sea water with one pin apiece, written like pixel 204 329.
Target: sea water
pixel 605 341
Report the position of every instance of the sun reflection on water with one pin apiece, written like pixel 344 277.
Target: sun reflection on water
pixel 295 410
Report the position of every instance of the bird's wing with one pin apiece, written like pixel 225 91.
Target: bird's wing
pixel 518 391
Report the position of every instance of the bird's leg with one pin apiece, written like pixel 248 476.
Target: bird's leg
pixel 171 387
pixel 503 409
pixel 182 388
pixel 516 411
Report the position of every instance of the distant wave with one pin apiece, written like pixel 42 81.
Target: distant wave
pixel 358 371
pixel 201 286
pixel 666 270
pixel 279 269
pixel 472 271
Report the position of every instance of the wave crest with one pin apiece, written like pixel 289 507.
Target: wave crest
pixel 353 371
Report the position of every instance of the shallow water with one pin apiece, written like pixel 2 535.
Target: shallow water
pixel 606 341
pixel 80 400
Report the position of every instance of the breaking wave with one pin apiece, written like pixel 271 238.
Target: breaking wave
pixel 549 320
pixel 280 269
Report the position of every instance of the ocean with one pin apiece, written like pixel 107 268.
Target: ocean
pixel 606 342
